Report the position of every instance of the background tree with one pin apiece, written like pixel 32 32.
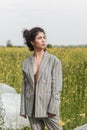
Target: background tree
pixel 49 46
pixel 9 43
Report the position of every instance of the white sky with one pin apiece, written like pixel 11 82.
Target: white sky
pixel 64 21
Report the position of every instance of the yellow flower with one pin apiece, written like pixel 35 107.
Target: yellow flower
pixel 61 123
pixel 83 114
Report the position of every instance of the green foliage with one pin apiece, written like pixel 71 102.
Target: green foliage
pixel 49 46
pixel 74 94
pixel 2 115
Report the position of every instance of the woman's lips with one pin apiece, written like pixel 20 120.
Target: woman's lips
pixel 43 44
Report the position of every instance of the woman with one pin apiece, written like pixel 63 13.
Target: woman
pixel 42 83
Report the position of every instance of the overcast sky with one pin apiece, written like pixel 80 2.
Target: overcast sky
pixel 64 21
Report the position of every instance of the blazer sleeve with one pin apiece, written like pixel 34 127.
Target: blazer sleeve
pixel 56 87
pixel 23 95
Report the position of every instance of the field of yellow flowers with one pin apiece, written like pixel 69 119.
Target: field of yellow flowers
pixel 74 94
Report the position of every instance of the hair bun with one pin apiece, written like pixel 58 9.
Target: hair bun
pixel 26 33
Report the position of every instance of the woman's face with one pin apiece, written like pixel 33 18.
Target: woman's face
pixel 40 41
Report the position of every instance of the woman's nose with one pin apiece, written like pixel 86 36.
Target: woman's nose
pixel 43 39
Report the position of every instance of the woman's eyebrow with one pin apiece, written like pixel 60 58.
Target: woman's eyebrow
pixel 41 36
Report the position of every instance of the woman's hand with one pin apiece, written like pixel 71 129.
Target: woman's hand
pixel 24 116
pixel 51 115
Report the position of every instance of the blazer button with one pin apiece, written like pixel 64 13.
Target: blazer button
pixel 44 80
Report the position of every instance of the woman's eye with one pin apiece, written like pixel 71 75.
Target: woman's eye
pixel 44 37
pixel 41 37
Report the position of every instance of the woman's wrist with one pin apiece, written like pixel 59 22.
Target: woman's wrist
pixel 51 114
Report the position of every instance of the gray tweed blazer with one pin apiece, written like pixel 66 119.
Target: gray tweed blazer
pixel 48 88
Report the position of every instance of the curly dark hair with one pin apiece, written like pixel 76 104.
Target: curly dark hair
pixel 29 35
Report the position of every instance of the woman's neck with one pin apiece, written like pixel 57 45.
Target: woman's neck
pixel 38 54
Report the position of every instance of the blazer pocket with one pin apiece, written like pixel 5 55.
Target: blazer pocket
pixel 46 91
pixel 29 92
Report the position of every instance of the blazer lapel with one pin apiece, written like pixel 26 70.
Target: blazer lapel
pixel 43 64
